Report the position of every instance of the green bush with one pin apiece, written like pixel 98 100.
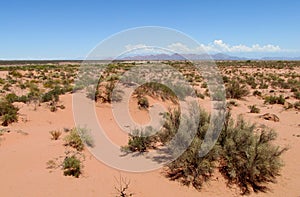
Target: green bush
pixel 235 90
pixel 256 93
pixel 139 141
pixel 200 95
pixel 53 108
pixel 6 87
pixel 171 124
pixel 162 91
pixel 143 102
pixel 8 112
pixel 74 140
pixel 72 166
pixel 189 168
pixel 53 95
pixel 11 97
pixel 23 99
pixel 293 89
pixel 263 86
pixel 106 95
pixel 297 105
pixel 232 103
pixel 204 85
pixel 245 157
pixel 251 82
pixel 15 74
pixel 249 160
pixel 275 100
pixel 297 95
pixel 225 79
pixel 78 137
pixel 254 109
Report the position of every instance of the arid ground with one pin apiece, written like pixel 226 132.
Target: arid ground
pixel 33 162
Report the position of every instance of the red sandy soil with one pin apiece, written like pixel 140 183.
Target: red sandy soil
pixel 25 150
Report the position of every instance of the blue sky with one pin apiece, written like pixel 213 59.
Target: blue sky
pixel 70 29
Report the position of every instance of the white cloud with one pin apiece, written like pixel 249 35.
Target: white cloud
pixel 179 47
pixel 220 46
pixel 217 46
pixel 130 47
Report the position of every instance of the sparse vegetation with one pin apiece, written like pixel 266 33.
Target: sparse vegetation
pixel 74 140
pixel 78 137
pixel 123 187
pixel 139 141
pixel 245 153
pixel 297 105
pixel 143 102
pixel 236 91
pixel 55 134
pixel 72 166
pixel 254 109
pixel 249 160
pixel 257 93
pixel 275 100
pixel 8 112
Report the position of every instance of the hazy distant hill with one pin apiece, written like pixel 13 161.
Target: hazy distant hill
pixel 162 56
pixel 281 58
pixel 176 56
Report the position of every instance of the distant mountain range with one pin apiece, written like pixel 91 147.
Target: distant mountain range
pixel 162 56
pixel 218 56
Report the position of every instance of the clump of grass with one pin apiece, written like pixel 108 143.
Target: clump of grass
pixel 51 164
pixel 74 140
pixel 53 108
pixel 139 141
pixel 8 112
pixel 204 85
pixel 257 93
pixel 253 109
pixel 200 95
pixel 78 137
pixel 72 166
pixel 171 124
pixel 143 102
pixel 162 91
pixel 297 105
pixel 233 103
pixel 297 95
pixel 235 90
pixel 275 100
pixel 55 134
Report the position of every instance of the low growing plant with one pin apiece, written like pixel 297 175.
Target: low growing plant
pixel 72 166
pixel 254 109
pixel 275 99
pixel 143 102
pixel 55 134
pixel 8 112
pixel 78 137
